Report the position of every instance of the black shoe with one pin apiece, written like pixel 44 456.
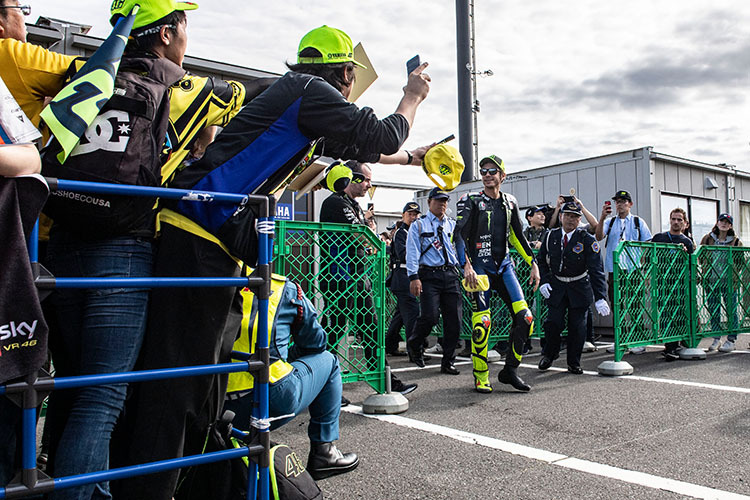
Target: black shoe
pixel 575 370
pixel 509 376
pixel 344 401
pixel 325 460
pixel 545 363
pixel 449 370
pixel 396 353
pixel 404 389
pixel 527 348
pixel 671 356
pixel 417 359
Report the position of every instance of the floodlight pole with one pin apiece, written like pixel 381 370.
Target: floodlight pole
pixel 465 76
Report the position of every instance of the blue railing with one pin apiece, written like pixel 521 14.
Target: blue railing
pixel 30 392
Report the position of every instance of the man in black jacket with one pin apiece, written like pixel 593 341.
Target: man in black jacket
pixel 572 278
pixel 407 305
pixel 343 208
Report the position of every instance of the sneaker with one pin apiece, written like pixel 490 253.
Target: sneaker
pixel 728 346
pixel 589 347
pixel 436 349
pixel 493 356
pixel 715 344
pixel 637 350
pixel 670 355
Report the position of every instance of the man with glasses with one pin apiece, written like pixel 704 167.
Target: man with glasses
pixel 489 222
pixel 13 22
pixel 622 227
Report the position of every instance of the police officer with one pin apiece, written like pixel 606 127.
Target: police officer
pixel 572 278
pixel 407 306
pixel 431 261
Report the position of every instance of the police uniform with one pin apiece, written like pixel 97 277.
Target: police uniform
pixel 572 266
pixel 407 306
pixel 432 258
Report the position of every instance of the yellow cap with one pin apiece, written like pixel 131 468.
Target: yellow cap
pixel 334 45
pixel 444 165
pixel 483 284
pixel 150 10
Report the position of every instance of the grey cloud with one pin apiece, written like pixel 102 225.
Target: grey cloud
pixel 706 152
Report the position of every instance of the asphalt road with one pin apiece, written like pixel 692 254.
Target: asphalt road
pixel 671 430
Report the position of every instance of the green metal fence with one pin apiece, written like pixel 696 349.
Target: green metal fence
pixel 341 268
pixel 652 301
pixel 722 291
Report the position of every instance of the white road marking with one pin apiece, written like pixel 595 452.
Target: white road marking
pixel 557 459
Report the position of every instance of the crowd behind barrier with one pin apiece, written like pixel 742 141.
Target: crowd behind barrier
pixel 662 294
pixel 29 392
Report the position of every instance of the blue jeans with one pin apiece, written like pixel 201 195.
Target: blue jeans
pixel 101 331
pixel 315 383
pixel 715 296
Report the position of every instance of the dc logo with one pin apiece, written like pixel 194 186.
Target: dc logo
pixel 444 170
pixel 110 131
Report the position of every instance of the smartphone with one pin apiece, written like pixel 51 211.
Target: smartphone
pixel 447 139
pixel 568 199
pixel 370 206
pixel 412 64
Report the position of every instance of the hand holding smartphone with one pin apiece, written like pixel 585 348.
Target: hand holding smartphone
pixel 412 64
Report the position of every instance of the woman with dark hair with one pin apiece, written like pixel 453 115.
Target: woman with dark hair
pixel 719 289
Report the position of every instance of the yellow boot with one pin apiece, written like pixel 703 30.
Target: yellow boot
pixel 481 321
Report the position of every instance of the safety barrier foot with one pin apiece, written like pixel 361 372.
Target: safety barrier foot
pixel 613 368
pixel 389 403
pixel 692 353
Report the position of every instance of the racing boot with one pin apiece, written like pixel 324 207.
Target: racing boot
pixel 508 375
pixel 481 321
pixel 325 460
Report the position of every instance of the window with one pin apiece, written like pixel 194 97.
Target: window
pixel 701 213
pixel 744 222
pixel 702 216
pixel 668 203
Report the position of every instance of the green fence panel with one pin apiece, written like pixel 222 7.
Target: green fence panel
pixel 341 268
pixel 652 295
pixel 722 291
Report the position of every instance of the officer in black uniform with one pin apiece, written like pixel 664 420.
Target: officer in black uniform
pixel 407 305
pixel 572 278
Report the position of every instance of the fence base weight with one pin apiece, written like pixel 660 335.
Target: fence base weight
pixel 390 403
pixel 615 368
pixel 692 353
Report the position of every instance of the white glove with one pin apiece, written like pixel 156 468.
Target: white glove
pixel 545 289
pixel 602 307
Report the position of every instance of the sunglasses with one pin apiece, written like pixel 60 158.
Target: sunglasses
pixel 25 9
pixel 491 171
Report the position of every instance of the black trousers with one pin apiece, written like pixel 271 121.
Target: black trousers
pixel 350 306
pixel 407 312
pixel 440 293
pixel 555 324
pixel 186 326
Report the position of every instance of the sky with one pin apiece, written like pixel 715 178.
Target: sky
pixel 571 80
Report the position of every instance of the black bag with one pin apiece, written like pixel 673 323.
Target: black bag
pixel 124 145
pixel 289 478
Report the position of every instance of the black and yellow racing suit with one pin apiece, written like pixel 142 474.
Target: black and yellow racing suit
pixel 488 226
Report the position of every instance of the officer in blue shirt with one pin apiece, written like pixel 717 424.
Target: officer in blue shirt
pixel 431 261
pixel 572 278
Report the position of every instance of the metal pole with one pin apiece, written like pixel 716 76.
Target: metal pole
pixel 464 76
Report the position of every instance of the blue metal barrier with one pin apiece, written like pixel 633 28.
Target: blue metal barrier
pixel 32 390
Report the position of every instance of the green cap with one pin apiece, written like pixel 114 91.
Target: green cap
pixel 150 10
pixel 334 45
pixel 494 159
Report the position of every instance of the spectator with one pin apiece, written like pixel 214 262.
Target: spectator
pixel 407 306
pixel 431 264
pixel 303 375
pixel 349 264
pixel 625 226
pixel 718 279
pixel 677 222
pixel 535 231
